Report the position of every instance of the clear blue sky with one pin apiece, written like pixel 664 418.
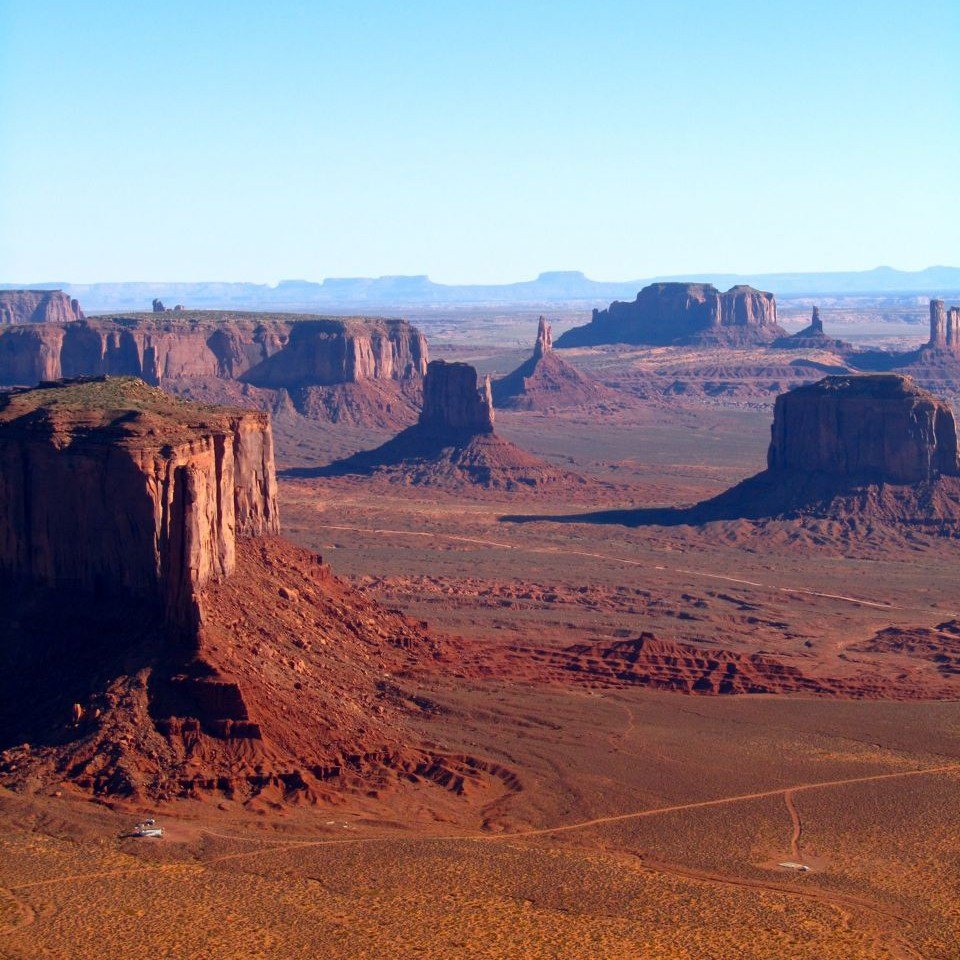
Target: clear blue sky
pixel 476 141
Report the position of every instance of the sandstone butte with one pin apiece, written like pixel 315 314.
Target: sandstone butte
pixel 157 637
pixel 683 313
pixel 329 368
pixel 37 306
pixel 545 382
pixel 861 447
pixel 111 485
pixel 453 444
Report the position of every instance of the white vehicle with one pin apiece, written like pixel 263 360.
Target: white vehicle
pixel 148 828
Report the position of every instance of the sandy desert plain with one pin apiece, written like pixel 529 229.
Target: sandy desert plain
pixel 618 819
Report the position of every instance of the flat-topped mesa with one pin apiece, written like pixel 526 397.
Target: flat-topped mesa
pixel 683 313
pixel 325 352
pixel 944 327
pixel 38 306
pixel 331 368
pixel 871 428
pixel 110 486
pixel 455 401
pixel 270 352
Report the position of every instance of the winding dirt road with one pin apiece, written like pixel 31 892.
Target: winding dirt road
pixel 885 924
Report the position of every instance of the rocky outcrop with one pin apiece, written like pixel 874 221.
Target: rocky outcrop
pixel 158 306
pixel 113 487
pixel 869 451
pixel 38 306
pixel 453 445
pixel 944 327
pixel 813 337
pixel 455 401
pixel 683 313
pixel 326 352
pixel 544 344
pixel 124 513
pixel 368 371
pixel 545 382
pixel 870 428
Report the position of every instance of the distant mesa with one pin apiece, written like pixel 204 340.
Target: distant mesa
pixel 157 639
pixel 545 382
pixel 813 337
pixel 38 306
pixel 366 371
pixel 453 444
pixel 683 313
pixel 158 306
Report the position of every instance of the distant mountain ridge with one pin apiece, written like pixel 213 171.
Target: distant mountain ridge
pixel 362 293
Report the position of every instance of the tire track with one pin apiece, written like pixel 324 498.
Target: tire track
pixel 797 825
pixel 565 551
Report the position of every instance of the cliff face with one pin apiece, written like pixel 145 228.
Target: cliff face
pixel 115 488
pixel 38 306
pixel 326 352
pixel 270 353
pixel 872 428
pixel 454 402
pixel 679 313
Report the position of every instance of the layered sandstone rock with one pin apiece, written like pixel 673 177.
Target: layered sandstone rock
pixel 453 445
pixel 364 370
pixel 38 306
pixel 545 382
pixel 944 327
pixel 326 352
pixel 113 487
pixel 869 451
pixel 683 313
pixel 124 512
pixel 872 428
pixel 455 400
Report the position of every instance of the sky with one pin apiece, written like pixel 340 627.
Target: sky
pixel 475 141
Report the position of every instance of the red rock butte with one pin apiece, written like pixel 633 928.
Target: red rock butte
pixel 453 444
pixel 683 313
pixel 125 512
pixel 111 485
pixel 37 306
pixel 870 427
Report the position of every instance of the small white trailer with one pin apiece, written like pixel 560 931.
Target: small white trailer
pixel 148 828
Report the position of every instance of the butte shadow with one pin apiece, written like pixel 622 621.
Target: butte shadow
pixel 870 448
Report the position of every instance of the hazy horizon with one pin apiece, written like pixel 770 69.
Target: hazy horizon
pixel 475 144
